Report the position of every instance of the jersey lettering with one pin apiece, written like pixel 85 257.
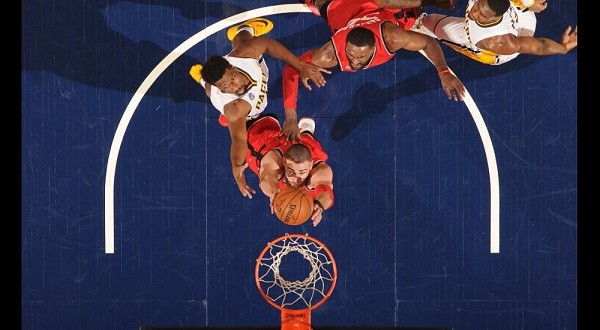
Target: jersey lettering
pixel 263 92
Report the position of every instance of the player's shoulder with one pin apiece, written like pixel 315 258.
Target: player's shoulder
pixel 245 63
pixel 273 159
pixel 321 167
pixel 391 32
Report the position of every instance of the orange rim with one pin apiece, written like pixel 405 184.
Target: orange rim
pixel 286 236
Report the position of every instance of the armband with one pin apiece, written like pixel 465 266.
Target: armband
pixel 325 188
pixel 290 82
pixel 443 72
pixel 316 201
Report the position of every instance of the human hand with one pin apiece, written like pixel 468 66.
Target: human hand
pixel 317 214
pixel 290 129
pixel 270 189
pixel 452 86
pixel 272 198
pixel 240 180
pixel 309 71
pixel 569 38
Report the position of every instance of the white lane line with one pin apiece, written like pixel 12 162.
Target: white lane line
pixel 109 217
pixel 109 226
pixel 490 156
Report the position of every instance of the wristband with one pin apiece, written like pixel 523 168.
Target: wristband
pixel 324 188
pixel 316 201
pixel 441 72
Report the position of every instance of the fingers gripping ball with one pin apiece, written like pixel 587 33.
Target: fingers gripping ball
pixel 293 206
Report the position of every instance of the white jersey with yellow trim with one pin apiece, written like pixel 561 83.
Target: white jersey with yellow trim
pixel 258 74
pixel 523 4
pixel 462 34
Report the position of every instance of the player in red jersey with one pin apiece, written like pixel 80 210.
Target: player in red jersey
pixel 279 164
pixel 367 33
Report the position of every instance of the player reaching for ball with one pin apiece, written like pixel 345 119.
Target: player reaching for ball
pixel 365 34
pixel 237 83
pixel 279 163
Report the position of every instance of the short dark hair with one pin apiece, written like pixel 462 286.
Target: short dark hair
pixel 298 153
pixel 499 6
pixel 214 69
pixel 361 37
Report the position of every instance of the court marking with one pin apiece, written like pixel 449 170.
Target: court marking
pixel 490 156
pixel 109 218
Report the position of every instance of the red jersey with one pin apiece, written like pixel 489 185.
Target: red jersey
pixel 344 15
pixel 263 137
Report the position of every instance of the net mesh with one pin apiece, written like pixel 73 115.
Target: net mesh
pixel 302 293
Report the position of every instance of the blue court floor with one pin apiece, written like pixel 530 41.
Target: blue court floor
pixel 446 214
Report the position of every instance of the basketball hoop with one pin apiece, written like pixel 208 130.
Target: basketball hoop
pixel 295 298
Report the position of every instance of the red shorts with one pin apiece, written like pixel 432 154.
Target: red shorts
pixel 263 137
pixel 341 12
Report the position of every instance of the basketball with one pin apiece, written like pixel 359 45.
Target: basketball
pixel 293 206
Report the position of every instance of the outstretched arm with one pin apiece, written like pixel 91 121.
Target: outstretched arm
pixel 271 169
pixel 322 180
pixel 257 46
pixel 323 57
pixel 304 69
pixel 396 38
pixel 235 112
pixel 509 44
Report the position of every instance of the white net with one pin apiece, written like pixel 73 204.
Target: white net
pixel 281 268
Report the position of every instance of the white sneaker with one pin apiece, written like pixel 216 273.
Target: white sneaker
pixel 306 125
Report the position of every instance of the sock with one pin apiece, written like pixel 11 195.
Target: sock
pixel 245 28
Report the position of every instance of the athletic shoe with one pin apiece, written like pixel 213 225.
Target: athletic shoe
pixel 407 17
pixel 195 72
pixel 306 125
pixel 311 5
pixel 260 26
pixel 413 12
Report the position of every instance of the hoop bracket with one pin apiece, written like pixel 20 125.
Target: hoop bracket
pixel 295 319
